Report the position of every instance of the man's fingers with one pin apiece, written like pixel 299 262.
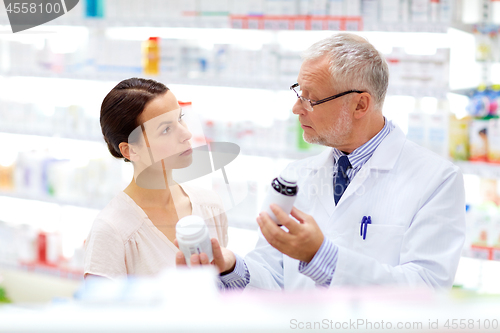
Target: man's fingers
pixel 284 219
pixel 299 215
pixel 179 259
pixel 176 243
pixel 272 233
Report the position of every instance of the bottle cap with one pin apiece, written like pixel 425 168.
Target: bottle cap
pixel 288 176
pixel 190 227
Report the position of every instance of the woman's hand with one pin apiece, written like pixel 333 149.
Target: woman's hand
pixel 224 259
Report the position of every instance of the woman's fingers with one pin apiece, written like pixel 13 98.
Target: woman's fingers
pixel 179 259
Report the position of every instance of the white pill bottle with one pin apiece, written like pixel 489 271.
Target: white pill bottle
pixel 282 192
pixel 193 237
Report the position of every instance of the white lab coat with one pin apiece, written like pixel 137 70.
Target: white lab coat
pixel 416 202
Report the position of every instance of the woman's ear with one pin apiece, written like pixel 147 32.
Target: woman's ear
pixel 128 152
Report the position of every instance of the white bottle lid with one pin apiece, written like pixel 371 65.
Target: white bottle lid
pixel 288 177
pixel 190 228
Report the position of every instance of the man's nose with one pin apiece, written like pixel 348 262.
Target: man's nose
pixel 298 108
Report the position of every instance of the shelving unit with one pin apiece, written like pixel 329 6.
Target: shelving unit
pixel 268 24
pixel 481 169
pixel 277 84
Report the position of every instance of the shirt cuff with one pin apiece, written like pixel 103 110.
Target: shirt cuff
pixel 238 278
pixel 323 264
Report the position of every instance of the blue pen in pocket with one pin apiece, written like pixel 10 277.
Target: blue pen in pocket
pixel 364 224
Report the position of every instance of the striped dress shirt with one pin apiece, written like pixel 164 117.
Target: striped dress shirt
pixel 322 267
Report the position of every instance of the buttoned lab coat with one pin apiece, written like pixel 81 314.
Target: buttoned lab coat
pixel 416 201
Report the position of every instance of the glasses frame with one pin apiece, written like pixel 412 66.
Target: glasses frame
pixel 324 100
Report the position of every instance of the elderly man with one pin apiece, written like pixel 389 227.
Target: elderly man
pixel 372 209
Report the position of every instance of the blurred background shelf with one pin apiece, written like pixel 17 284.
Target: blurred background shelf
pixel 80 202
pixel 266 84
pixel 481 169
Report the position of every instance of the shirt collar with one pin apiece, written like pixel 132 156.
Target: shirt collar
pixel 363 153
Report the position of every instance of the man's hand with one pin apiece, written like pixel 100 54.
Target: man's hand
pixel 302 240
pixel 224 259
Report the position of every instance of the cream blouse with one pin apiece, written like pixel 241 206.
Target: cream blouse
pixel 124 241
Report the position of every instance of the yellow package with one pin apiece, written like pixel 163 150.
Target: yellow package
pixel 459 138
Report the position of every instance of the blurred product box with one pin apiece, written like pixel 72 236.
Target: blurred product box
pixel 459 138
pixel 478 140
pixel 494 140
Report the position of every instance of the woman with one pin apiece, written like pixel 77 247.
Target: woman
pixel 134 234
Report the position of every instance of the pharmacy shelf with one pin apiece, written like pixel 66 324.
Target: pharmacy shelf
pixel 432 27
pixel 52 135
pixel 475 28
pixel 252 83
pixel 273 23
pixel 482 253
pixel 268 152
pixel 91 203
pixel 60 271
pixel 482 169
pixel 277 84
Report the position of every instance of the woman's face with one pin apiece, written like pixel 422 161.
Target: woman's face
pixel 165 134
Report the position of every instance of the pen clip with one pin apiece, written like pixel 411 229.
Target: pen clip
pixel 368 221
pixel 361 227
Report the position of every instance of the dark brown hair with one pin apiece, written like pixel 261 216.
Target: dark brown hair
pixel 121 108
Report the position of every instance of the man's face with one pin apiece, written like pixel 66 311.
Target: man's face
pixel 330 123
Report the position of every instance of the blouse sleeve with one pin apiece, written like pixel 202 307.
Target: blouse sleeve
pixel 104 252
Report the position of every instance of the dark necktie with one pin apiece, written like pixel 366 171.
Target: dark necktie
pixel 341 179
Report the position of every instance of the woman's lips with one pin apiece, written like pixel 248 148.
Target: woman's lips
pixel 187 152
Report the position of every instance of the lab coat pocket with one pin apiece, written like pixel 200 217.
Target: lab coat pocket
pixel 382 242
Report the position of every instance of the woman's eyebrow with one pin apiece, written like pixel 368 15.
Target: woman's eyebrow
pixel 164 123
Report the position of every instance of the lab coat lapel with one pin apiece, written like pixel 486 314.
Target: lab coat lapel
pixel 319 184
pixel 384 158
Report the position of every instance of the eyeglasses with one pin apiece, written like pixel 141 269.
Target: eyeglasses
pixel 309 104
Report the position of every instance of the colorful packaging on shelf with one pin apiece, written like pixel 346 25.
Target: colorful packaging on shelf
pixel 151 56
pixel 482 229
pixel 7 178
pixel 494 98
pixel 478 140
pixel 458 138
pixel 494 140
pixel 94 8
pixel 483 102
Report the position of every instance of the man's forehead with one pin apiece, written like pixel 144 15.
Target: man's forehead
pixel 316 80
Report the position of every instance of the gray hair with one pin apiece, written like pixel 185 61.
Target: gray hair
pixel 354 64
